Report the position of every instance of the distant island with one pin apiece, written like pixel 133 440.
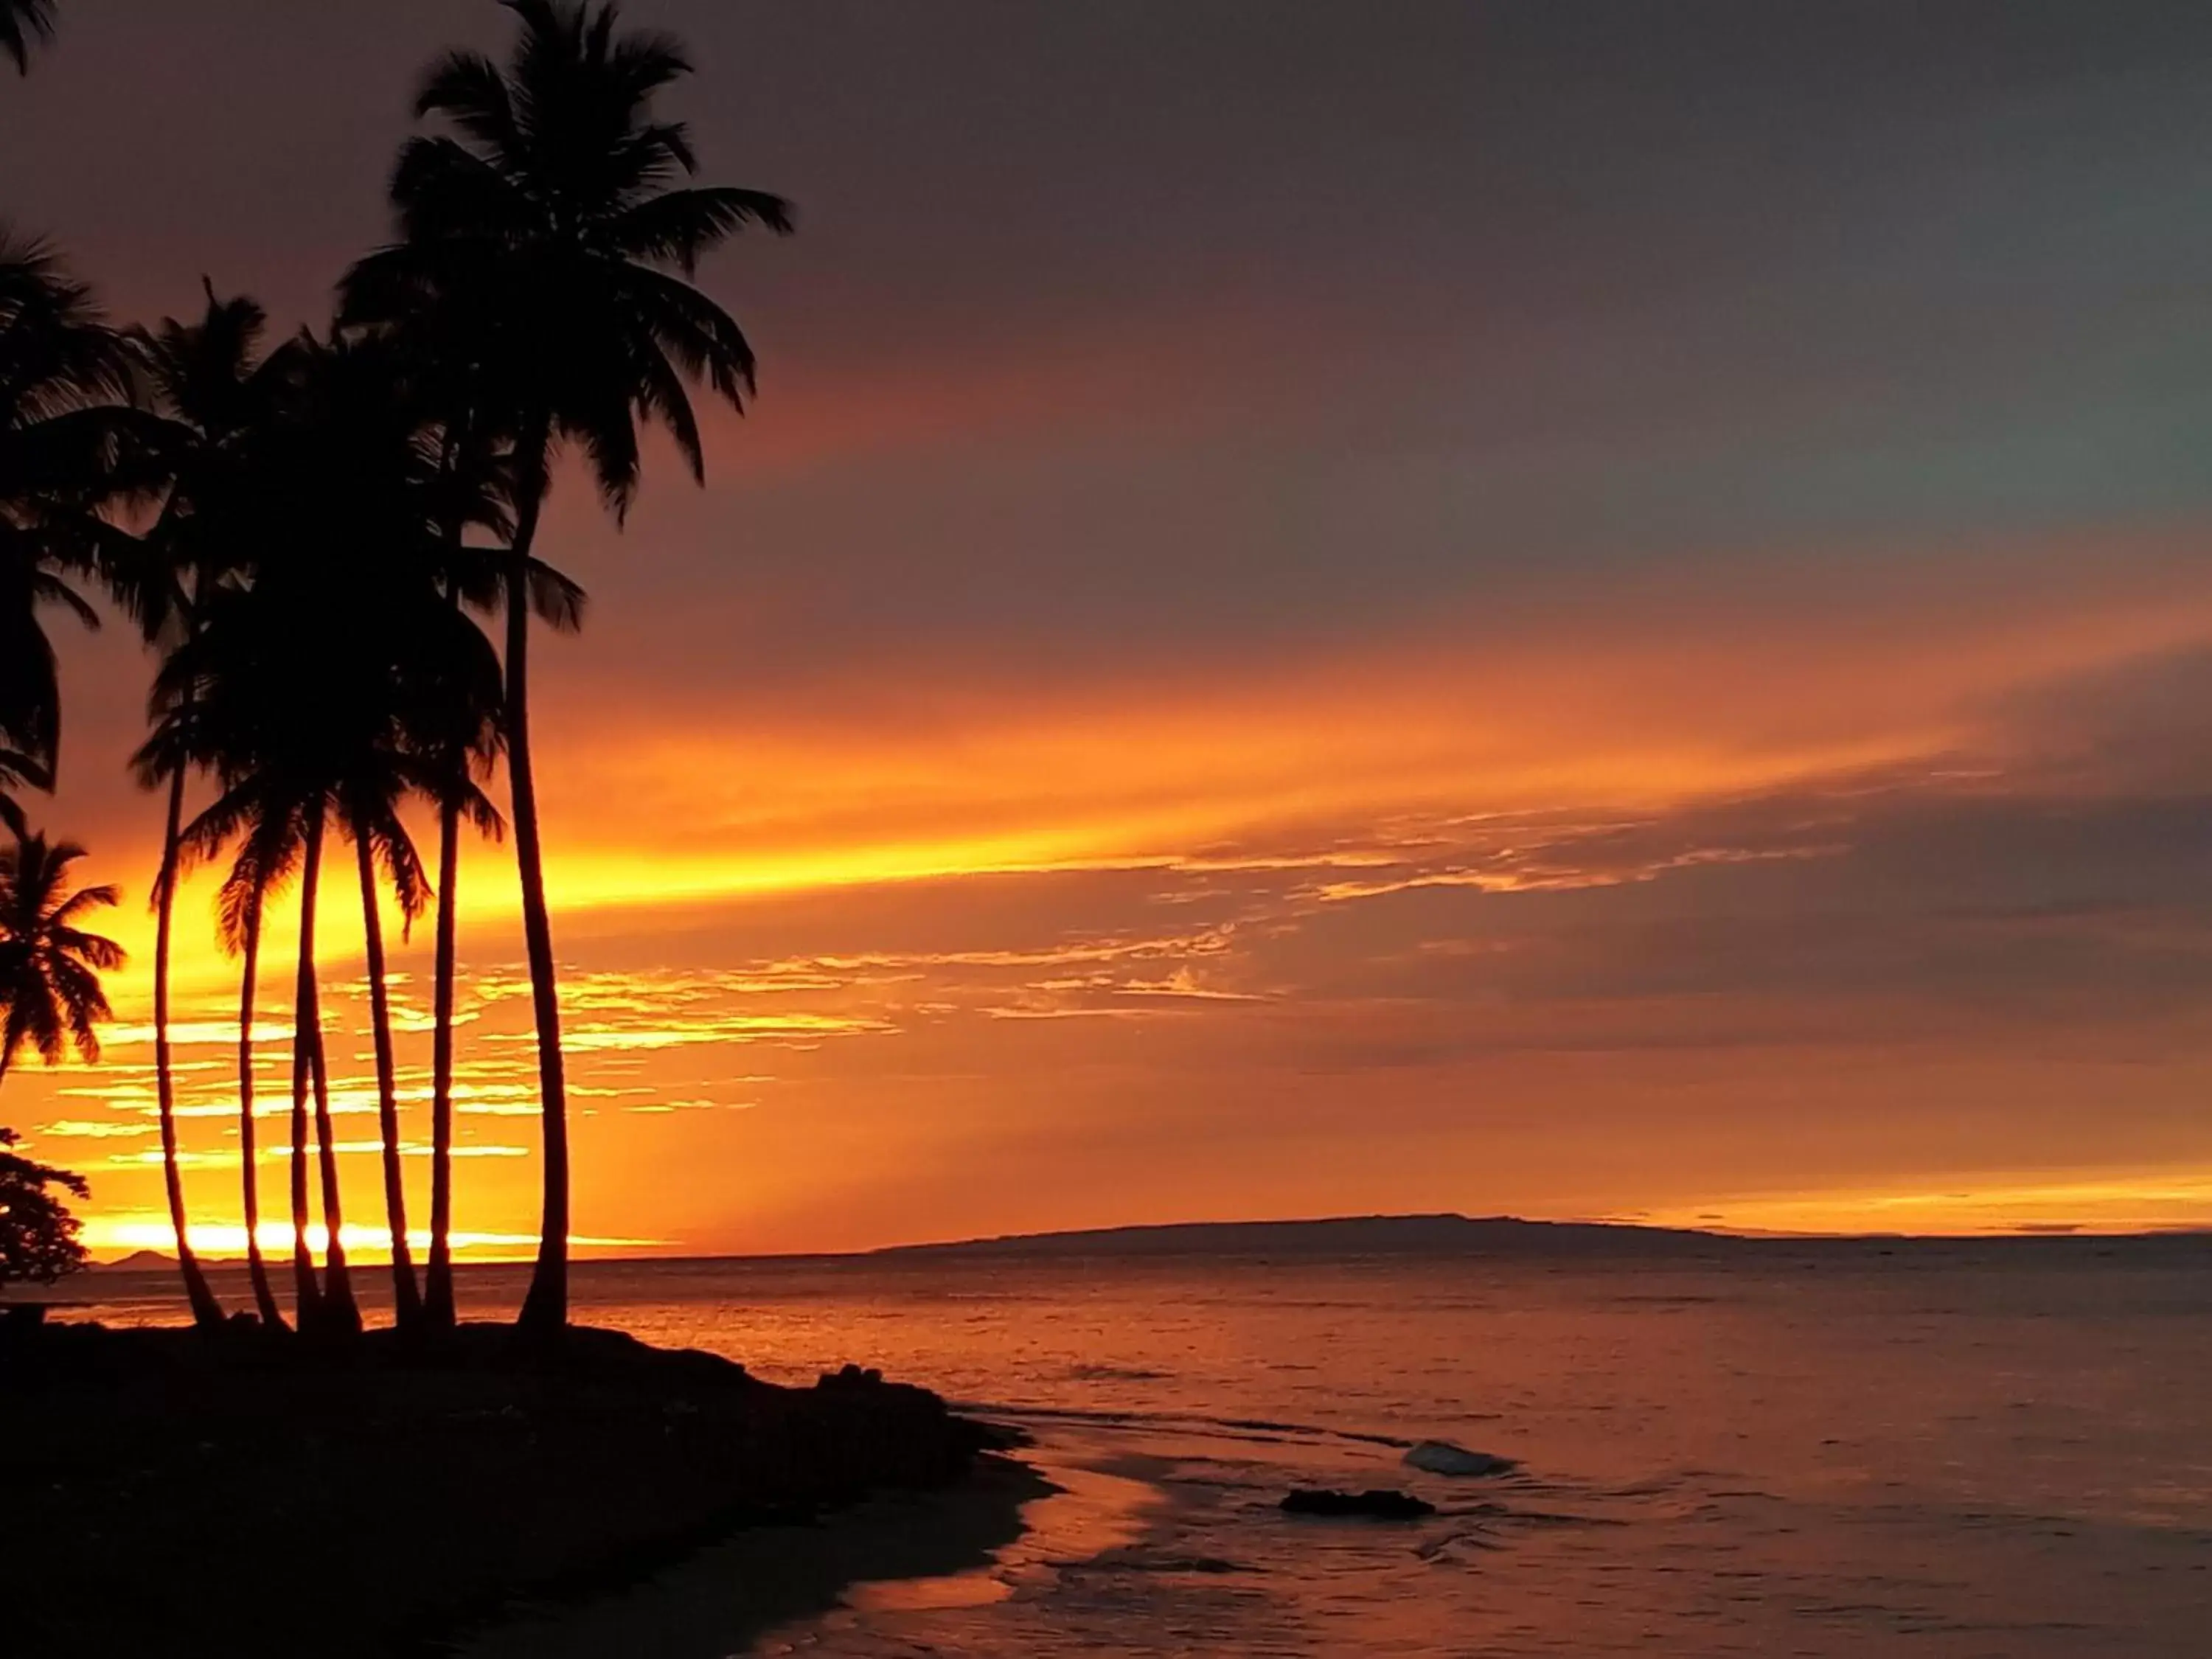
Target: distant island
pixel 1496 1236
pixel 1444 1234
pixel 143 1262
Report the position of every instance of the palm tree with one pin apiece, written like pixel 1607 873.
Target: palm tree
pixel 425 681
pixel 49 967
pixel 378 777
pixel 209 696
pixel 446 732
pixel 340 1314
pixel 474 478
pixel 419 707
pixel 61 376
pixel 213 397
pixel 17 768
pixel 207 1312
pixel 337 683
pixel 245 693
pixel 23 22
pixel 544 231
pixel 259 871
pixel 236 697
pixel 454 767
pixel 69 447
pixel 181 741
pixel 473 484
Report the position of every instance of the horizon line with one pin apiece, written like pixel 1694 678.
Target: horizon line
pixel 643 1253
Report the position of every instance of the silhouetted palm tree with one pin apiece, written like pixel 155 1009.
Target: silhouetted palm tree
pixel 64 437
pixel 474 482
pixel 205 715
pixel 50 967
pixel 248 678
pixel 17 768
pixel 259 872
pixel 62 375
pixel 337 682
pixel 547 235
pixel 450 732
pixel 23 22
pixel 339 1313
pixel 240 694
pixel 213 396
pixel 422 704
pixel 206 1311
pixel 474 488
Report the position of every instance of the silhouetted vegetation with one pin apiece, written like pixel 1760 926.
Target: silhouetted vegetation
pixel 387 1491
pixel 309 536
pixel 50 967
pixel 306 535
pixel 24 23
pixel 544 245
pixel 37 1234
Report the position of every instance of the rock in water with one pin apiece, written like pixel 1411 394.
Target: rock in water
pixel 1441 1457
pixel 1378 1505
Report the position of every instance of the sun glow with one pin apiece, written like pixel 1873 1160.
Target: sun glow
pixel 817 961
pixel 2144 1200
pixel 112 1235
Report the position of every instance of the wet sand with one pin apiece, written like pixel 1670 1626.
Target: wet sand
pixel 1011 1524
pixel 731 1596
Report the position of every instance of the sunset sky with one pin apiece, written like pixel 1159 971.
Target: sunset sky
pixel 1584 609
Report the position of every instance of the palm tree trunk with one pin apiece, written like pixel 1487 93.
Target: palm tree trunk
pixel 406 1296
pixel 264 1299
pixel 207 1312
pixel 546 1308
pixel 340 1315
pixel 440 1311
pixel 307 1294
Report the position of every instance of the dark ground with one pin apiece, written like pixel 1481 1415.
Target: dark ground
pixel 162 1491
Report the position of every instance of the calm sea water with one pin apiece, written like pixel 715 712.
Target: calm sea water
pixel 2002 1452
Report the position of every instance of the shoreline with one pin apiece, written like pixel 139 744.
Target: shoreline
pixel 1014 1522
pixel 244 1495
pixel 727 1596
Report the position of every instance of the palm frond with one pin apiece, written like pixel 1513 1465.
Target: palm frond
pixel 94 951
pixel 85 899
pixel 702 337
pixel 80 1006
pixel 23 23
pixel 678 226
pixel 467 88
pixel 555 600
pixel 49 970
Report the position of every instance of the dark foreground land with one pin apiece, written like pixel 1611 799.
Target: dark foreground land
pixel 164 1491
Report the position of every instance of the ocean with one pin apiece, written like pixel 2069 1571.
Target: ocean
pixel 1993 1451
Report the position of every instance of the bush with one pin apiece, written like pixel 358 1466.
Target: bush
pixel 37 1234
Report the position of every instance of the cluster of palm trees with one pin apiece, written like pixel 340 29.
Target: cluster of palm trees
pixel 308 535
